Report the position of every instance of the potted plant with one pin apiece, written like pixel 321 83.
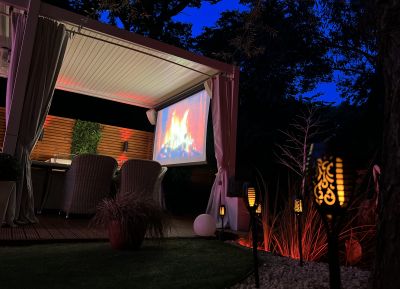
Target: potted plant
pixel 128 218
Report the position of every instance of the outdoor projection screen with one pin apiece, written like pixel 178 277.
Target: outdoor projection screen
pixel 181 131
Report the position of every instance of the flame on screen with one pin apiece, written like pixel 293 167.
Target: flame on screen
pixel 181 131
pixel 177 135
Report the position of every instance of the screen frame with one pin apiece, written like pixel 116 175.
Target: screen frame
pixel 187 95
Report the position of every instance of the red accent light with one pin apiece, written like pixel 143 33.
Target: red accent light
pixel 121 159
pixel 68 82
pixel 125 133
pixel 48 120
pixel 135 97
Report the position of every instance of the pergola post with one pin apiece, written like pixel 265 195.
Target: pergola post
pixel 22 74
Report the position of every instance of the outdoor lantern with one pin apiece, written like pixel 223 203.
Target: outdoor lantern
pixel 222 211
pixel 331 186
pixel 251 198
pixel 298 209
pixel 298 206
pixel 259 209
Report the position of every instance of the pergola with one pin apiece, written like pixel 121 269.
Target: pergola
pixel 104 61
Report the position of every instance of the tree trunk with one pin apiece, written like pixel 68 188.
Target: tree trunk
pixel 387 264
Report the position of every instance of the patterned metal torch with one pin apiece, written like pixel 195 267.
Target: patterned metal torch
pixel 332 185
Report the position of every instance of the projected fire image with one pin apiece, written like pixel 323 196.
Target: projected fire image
pixel 177 142
pixel 181 131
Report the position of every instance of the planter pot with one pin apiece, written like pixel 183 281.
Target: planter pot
pixel 126 238
pixel 115 235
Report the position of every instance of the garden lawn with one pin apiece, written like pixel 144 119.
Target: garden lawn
pixel 173 263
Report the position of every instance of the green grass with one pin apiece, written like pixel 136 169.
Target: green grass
pixel 173 263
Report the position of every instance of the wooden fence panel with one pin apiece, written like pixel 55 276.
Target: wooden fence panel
pixel 57 139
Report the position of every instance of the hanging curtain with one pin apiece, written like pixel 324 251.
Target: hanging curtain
pixel 18 23
pixel 223 118
pixel 47 56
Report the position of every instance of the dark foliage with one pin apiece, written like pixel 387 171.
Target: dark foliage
pixel 85 138
pixel 152 18
pixel 349 31
pixel 133 212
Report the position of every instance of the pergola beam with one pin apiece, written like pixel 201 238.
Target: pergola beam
pixel 20 4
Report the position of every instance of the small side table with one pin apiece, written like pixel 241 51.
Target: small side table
pixel 49 167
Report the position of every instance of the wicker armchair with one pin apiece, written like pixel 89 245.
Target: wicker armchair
pixel 88 181
pixel 139 176
pixel 158 191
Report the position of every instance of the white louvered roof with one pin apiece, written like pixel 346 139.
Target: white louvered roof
pixel 103 66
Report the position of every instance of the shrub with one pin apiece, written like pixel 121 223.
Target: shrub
pixel 85 138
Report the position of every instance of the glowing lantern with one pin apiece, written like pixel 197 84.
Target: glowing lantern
pixel 222 211
pixel 298 206
pixel 332 184
pixel 251 196
pixel 259 209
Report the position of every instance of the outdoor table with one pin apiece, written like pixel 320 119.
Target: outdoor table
pixel 49 168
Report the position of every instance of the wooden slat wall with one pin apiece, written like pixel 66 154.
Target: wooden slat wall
pixel 56 138
pixel 140 143
pixel 58 135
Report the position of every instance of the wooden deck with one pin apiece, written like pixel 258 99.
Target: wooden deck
pixel 54 228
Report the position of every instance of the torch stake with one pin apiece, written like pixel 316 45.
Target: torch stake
pixel 333 256
pixel 254 233
pixel 334 267
pixel 300 234
pixel 222 229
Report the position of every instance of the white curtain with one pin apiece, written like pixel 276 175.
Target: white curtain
pixel 48 53
pixel 18 23
pixel 223 108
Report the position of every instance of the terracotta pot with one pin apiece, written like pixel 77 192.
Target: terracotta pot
pixel 126 238
pixel 115 235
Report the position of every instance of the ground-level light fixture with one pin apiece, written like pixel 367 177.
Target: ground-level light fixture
pixel 222 210
pixel 298 210
pixel 259 209
pixel 298 206
pixel 251 199
pixel 221 213
pixel 332 184
pixel 251 196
